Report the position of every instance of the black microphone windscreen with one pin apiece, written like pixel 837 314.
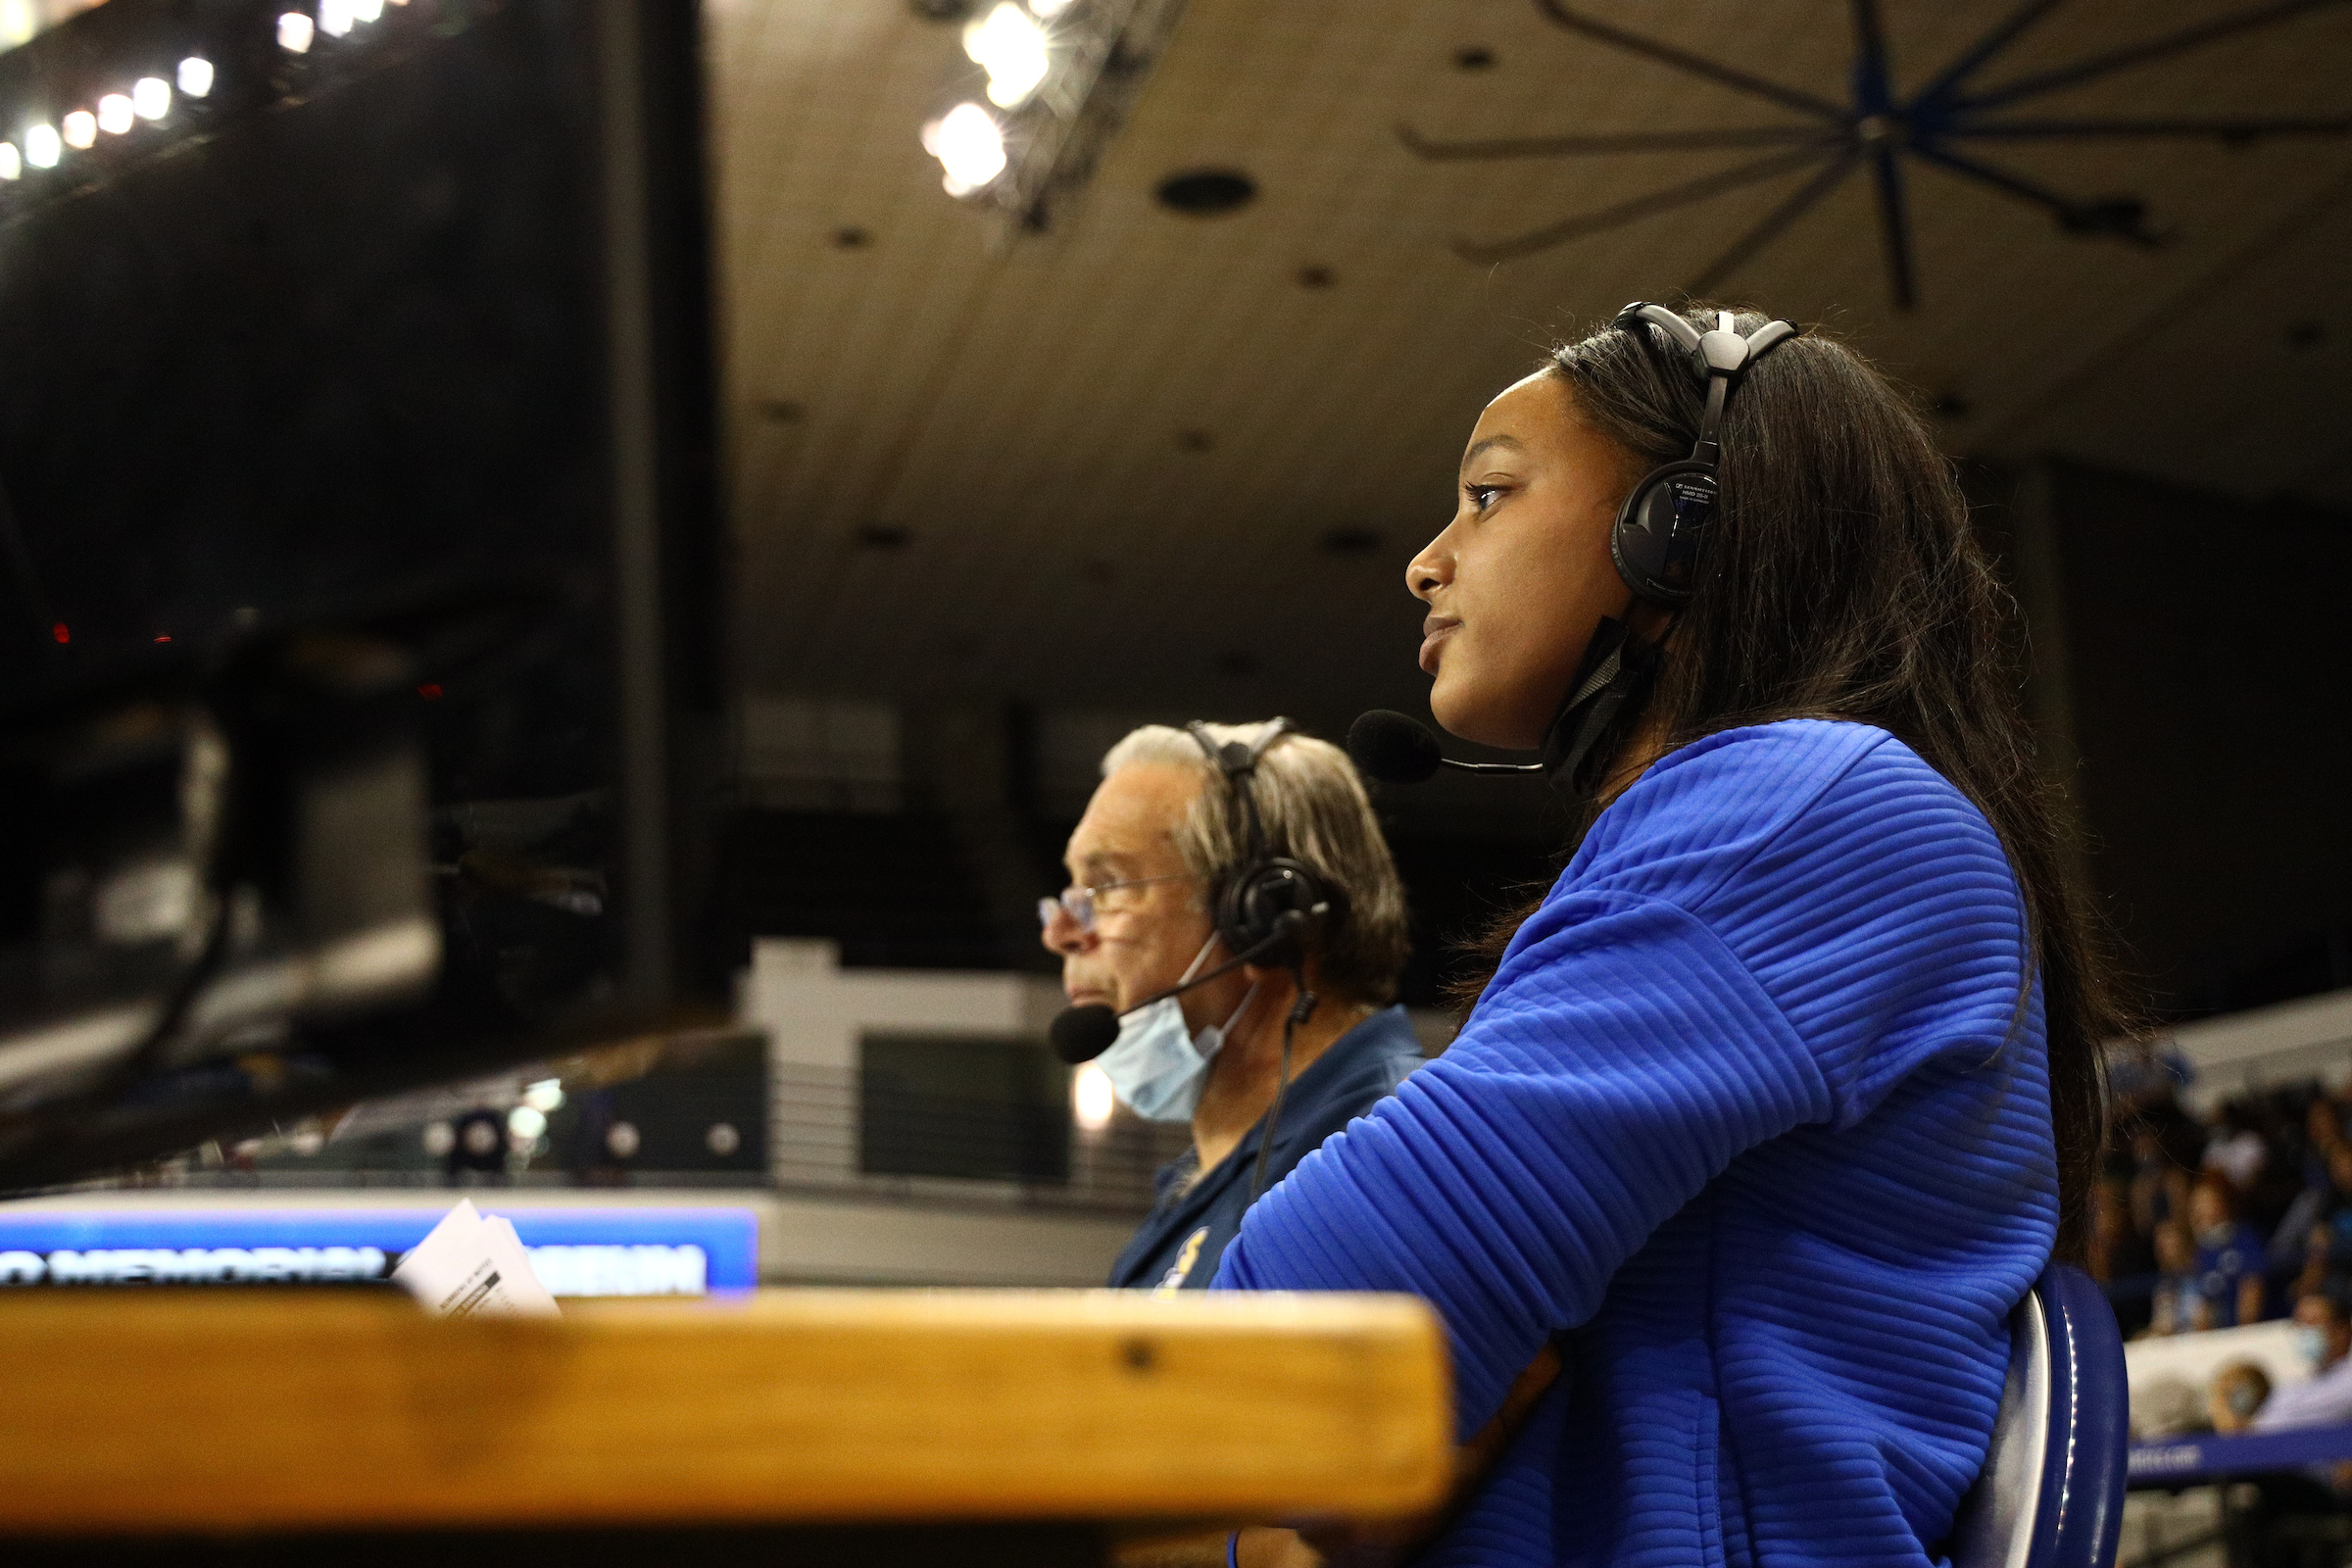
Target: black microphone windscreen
pixel 1081 1034
pixel 1393 748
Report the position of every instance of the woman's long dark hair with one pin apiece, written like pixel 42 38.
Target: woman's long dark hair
pixel 1842 579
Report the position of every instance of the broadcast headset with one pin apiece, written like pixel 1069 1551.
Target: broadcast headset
pixel 1657 538
pixel 1655 543
pixel 1261 908
pixel 1267 901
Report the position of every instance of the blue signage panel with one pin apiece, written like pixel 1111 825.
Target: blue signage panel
pixel 635 1250
pixel 2196 1460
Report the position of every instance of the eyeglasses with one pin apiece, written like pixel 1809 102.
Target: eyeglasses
pixel 1085 904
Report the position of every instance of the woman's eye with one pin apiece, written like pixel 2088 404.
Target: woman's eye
pixel 1481 496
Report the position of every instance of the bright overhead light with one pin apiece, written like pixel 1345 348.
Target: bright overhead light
pixel 80 128
pixel 113 114
pixel 526 1122
pixel 42 149
pixel 294 31
pixel 12 162
pixel 151 97
pixel 1048 10
pixel 1092 1099
pixel 544 1096
pixel 195 75
pixel 368 9
pixel 1012 47
pixel 335 17
pixel 968 146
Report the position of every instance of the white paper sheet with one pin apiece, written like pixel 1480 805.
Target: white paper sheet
pixel 473 1265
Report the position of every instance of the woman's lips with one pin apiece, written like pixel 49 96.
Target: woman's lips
pixel 1434 630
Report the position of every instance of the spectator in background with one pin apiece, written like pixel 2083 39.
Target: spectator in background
pixel 2237 1151
pixel 2327 1179
pixel 2160 1176
pixel 2179 1307
pixel 2318 1247
pixel 2238 1395
pixel 2230 1258
pixel 2145 1074
pixel 2118 1251
pixel 2325 1399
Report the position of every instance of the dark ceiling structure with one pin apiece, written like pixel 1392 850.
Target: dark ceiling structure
pixel 1878 126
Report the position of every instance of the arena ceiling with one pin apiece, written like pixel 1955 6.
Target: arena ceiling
pixel 1149 460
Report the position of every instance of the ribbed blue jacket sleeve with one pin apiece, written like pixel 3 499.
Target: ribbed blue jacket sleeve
pixel 1745 945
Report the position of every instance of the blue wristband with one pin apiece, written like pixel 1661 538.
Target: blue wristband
pixel 1233 1551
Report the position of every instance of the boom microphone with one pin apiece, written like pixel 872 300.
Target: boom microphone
pixel 1397 749
pixel 1081 1034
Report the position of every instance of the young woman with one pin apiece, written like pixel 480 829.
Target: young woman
pixel 1783 1095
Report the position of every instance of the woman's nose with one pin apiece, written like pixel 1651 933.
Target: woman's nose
pixel 1429 570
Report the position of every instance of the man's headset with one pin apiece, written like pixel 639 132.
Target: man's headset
pixel 1265 903
pixel 1262 907
pixel 1655 544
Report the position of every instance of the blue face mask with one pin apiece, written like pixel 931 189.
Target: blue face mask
pixel 1156 1066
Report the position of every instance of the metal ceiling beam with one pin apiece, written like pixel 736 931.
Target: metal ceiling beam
pixel 1695 64
pixel 1802 201
pixel 2140 54
pixel 1638 141
pixel 1881 127
pixel 1697 190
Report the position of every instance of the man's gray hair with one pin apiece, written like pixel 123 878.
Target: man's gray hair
pixel 1315 812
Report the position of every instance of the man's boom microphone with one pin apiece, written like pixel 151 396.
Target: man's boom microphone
pixel 1081 1034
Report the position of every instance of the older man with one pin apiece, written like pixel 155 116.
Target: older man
pixel 1159 843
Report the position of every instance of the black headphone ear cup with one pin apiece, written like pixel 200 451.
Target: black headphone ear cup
pixel 1655 540
pixel 1256 898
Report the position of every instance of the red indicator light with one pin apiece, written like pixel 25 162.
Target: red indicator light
pixel 430 691
pixel 60 632
pixel 166 637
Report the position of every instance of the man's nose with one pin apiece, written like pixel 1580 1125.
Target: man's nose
pixel 1063 936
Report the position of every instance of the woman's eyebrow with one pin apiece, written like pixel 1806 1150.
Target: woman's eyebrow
pixel 1512 442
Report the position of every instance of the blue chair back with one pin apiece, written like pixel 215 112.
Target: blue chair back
pixel 2051 1493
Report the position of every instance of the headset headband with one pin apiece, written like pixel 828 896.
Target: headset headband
pixel 1238 762
pixel 1720 356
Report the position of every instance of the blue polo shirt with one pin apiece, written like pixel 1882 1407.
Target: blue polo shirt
pixel 1185 1235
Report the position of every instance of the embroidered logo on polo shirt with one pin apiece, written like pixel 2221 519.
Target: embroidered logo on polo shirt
pixel 1181 1270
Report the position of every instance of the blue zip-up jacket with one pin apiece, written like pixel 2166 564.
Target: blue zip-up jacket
pixel 1751 1121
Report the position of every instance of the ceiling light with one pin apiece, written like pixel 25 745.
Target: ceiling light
pixel 335 17
pixel 12 162
pixel 968 145
pixel 1012 47
pixel 42 149
pixel 526 1123
pixel 368 9
pixel 1065 76
pixel 151 97
pixel 294 31
pixel 113 114
pixel 80 128
pixel 195 75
